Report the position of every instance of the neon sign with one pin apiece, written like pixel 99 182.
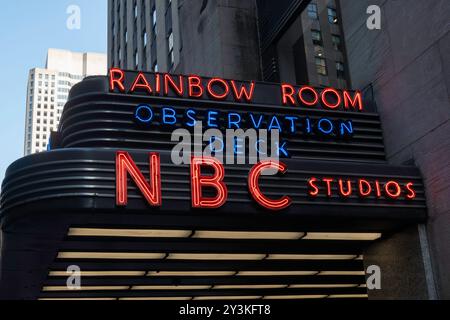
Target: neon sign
pixel 345 188
pixel 286 124
pixel 365 188
pixel 196 87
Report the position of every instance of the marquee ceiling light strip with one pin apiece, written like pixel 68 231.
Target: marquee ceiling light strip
pixel 228 298
pixel 341 273
pixel 215 256
pixel 99 273
pixel 111 255
pixel 295 297
pixel 323 286
pixel 205 287
pixel 198 256
pixel 342 236
pixel 212 234
pixel 248 235
pixel 138 233
pixel 255 286
pixel 311 257
pixel 201 234
pixel 232 256
pixel 77 299
pixel 155 298
pixel 190 273
pixel 86 288
pixel 276 273
pixel 348 296
pixel 229 273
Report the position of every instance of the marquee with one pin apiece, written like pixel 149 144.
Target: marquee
pixel 109 199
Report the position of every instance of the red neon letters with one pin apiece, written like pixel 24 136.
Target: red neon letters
pixel 193 86
pixel 344 188
pixel 124 166
pixel 330 98
pixel 198 182
pixel 255 191
pixel 116 78
pixel 141 83
pixel 243 92
pixel 356 103
pixel 152 191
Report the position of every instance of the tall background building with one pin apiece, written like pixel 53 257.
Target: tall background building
pixel 403 67
pixel 221 38
pixel 48 90
pixel 308 49
pixel 144 34
pixel 182 36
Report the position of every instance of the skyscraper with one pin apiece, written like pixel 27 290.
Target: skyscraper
pixel 48 90
pixel 220 38
pixel 146 35
pixel 143 34
pixel 308 48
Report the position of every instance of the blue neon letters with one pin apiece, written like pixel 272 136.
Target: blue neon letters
pixel 286 124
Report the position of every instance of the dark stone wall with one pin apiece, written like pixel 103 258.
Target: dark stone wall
pixel 402 270
pixel 408 63
pixel 220 39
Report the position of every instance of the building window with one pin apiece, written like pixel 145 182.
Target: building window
pixel 332 16
pixel 312 11
pixel 340 69
pixel 136 59
pixel 336 42
pixel 321 66
pixel 316 37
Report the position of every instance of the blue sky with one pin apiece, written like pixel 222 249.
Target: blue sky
pixel 27 29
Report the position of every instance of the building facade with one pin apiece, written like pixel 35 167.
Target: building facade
pixel 100 201
pixel 224 40
pixel 144 34
pixel 327 43
pixel 407 64
pixel 48 91
pixel 308 49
